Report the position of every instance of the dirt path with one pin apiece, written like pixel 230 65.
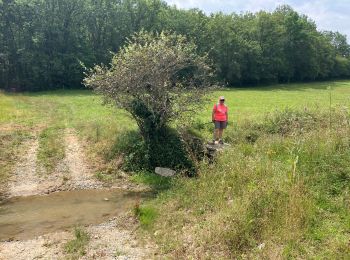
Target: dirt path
pixel 25 181
pixel 27 178
pixel 72 173
pixel 114 240
pixel 110 240
pixel 48 246
pixel 80 175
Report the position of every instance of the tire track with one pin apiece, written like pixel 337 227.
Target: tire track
pixel 80 175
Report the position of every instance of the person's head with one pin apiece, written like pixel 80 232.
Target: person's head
pixel 222 99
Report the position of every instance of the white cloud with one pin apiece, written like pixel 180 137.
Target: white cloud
pixel 328 14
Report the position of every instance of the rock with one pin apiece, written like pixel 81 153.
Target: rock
pixel 261 246
pixel 216 147
pixel 165 172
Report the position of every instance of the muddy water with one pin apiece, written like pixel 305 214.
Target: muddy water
pixel 27 217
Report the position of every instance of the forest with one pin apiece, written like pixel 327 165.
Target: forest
pixel 48 44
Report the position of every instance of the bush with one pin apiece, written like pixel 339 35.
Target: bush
pixel 132 147
pixel 290 121
pixel 165 149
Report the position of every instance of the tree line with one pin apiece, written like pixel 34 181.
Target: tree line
pixel 45 44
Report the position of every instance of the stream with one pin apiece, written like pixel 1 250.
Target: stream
pixel 27 217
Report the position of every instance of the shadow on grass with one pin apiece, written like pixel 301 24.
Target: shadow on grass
pixel 54 93
pixel 318 85
pixel 292 86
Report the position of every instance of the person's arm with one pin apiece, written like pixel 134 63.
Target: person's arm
pixel 213 114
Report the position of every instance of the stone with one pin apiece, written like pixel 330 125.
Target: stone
pixel 165 172
pixel 261 246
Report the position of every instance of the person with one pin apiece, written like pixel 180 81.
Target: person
pixel 220 119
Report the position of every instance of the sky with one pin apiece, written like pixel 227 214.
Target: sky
pixel 331 15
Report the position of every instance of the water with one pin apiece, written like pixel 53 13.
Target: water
pixel 28 217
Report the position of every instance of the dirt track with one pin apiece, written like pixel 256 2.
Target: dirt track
pixel 110 240
pixel 72 173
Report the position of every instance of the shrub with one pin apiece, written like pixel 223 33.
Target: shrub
pixel 156 78
pixel 166 148
pixel 288 121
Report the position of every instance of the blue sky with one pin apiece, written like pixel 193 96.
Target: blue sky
pixel 331 15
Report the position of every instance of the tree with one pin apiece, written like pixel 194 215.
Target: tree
pixel 225 47
pixel 156 78
pixel 338 41
pixel 43 42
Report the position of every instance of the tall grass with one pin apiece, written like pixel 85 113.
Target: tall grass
pixel 285 195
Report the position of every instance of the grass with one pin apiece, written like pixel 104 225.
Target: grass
pixel 51 148
pixel 156 182
pixel 253 103
pixel 280 191
pixel 46 115
pixel 146 215
pixel 288 190
pixel 76 247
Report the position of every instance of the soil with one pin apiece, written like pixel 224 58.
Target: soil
pixel 109 240
pixel 114 239
pixel 80 176
pixel 25 181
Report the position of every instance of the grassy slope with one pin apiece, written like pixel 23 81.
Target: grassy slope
pixel 286 195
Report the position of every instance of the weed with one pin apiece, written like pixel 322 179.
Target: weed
pixel 77 246
pixel 146 215
pixel 65 179
pixel 118 253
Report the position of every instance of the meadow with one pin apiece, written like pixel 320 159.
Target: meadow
pixel 281 189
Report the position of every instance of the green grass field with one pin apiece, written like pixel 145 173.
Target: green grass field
pixel 49 113
pixel 281 191
pixel 74 108
pixel 253 103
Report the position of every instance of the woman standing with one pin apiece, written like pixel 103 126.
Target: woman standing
pixel 219 118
